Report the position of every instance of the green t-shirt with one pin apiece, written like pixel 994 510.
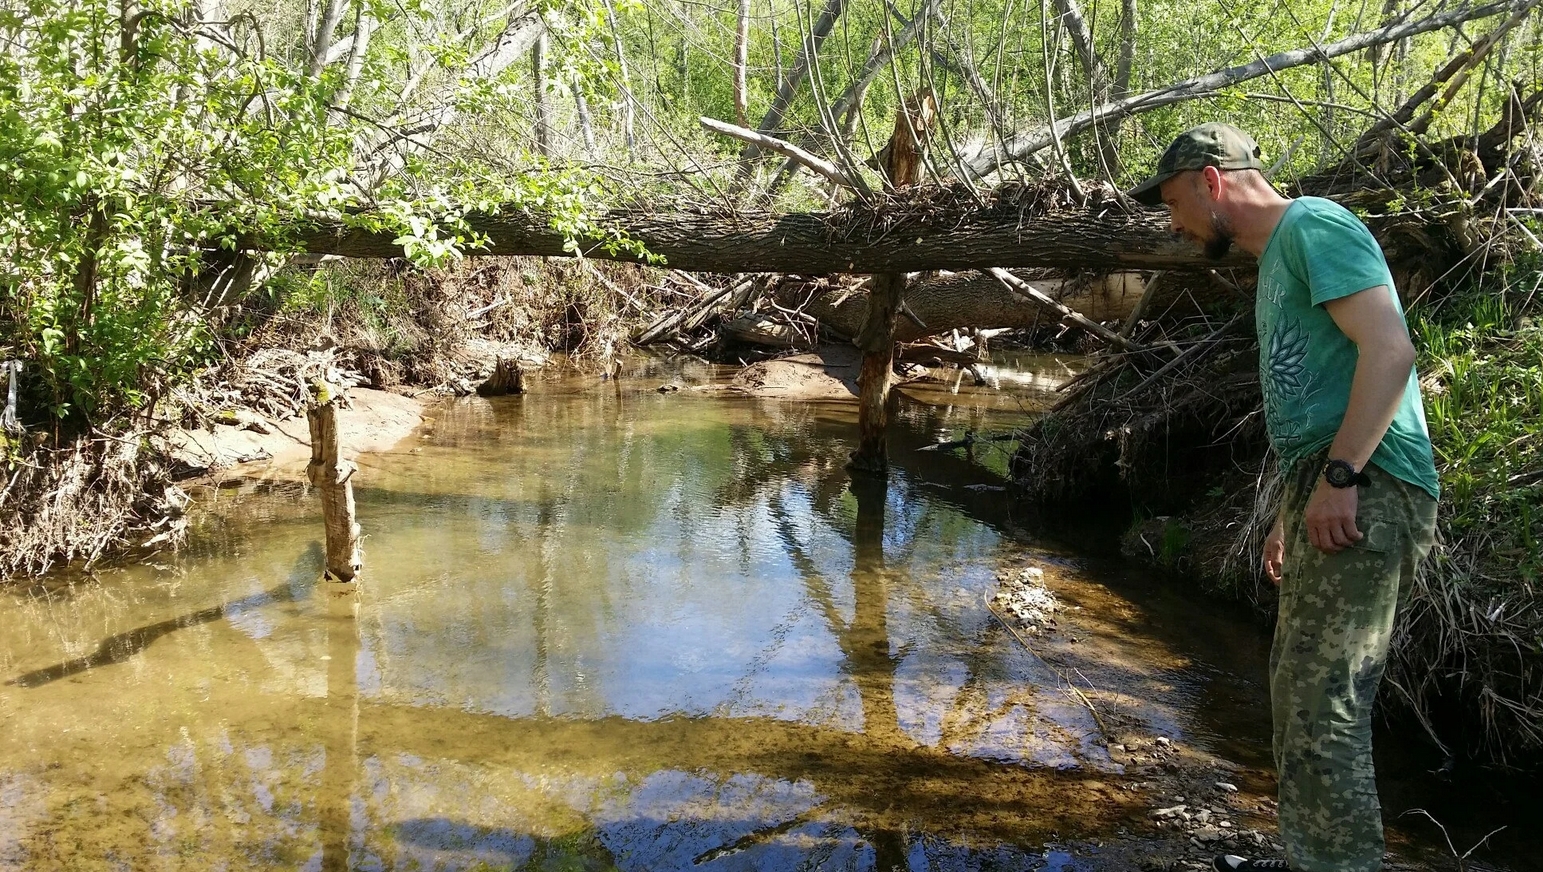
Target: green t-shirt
pixel 1321 252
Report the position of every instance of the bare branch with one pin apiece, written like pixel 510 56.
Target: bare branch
pixel 807 55
pixel 785 148
pixel 1029 142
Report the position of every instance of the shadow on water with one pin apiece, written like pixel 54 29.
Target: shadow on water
pixel 121 646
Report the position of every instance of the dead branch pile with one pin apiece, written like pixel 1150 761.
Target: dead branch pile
pixel 271 384
pixel 94 498
pixel 1134 420
pixel 955 205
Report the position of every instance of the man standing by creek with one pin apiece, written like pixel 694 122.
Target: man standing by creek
pixel 1343 412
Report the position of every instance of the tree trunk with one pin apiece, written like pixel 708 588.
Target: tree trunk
pixel 358 46
pixel 806 244
pixel 586 123
pixel 741 62
pixel 958 301
pixel 913 123
pixel 873 380
pixel 321 40
pixel 507 378
pixel 543 109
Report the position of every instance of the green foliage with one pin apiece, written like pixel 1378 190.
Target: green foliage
pixel 1482 356
pixel 139 149
pixel 114 142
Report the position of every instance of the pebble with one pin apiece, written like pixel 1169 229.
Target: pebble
pixel 1230 788
pixel 1226 825
pixel 1164 741
pixel 1169 812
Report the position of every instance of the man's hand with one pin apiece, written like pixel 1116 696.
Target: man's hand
pixel 1275 552
pixel 1330 518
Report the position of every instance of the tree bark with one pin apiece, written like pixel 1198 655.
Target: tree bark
pixel 543 109
pixel 741 63
pixel 1028 142
pixel 814 244
pixel 331 475
pixel 586 123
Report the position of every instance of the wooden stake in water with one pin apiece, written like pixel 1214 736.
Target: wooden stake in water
pixel 330 474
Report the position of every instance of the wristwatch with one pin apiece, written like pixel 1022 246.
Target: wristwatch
pixel 1339 473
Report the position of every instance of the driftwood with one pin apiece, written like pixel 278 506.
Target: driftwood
pixel 331 475
pixel 762 330
pixel 691 317
pixel 1043 300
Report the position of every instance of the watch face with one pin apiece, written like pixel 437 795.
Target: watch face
pixel 1339 473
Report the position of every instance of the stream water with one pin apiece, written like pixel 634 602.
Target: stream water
pixel 605 628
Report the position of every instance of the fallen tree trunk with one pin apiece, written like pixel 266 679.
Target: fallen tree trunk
pixel 953 301
pixel 816 244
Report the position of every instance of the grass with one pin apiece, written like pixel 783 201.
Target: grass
pixel 1482 363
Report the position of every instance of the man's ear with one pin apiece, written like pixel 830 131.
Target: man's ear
pixel 1213 182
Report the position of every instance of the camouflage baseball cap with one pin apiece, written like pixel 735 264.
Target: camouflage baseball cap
pixel 1209 145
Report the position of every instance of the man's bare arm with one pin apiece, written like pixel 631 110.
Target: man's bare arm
pixel 1384 357
pixel 1371 321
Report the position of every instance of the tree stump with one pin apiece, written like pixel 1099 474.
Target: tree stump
pixel 507 378
pixel 331 475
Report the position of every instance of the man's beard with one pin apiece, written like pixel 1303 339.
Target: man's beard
pixel 1220 242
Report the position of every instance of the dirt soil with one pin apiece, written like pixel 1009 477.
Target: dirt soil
pixel 371 421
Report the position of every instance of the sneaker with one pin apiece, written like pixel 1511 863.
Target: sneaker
pixel 1230 863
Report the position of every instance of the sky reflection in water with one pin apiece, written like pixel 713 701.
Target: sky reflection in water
pixel 599 630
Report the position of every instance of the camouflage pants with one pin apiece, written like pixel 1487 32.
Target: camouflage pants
pixel 1331 644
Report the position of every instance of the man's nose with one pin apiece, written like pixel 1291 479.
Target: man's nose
pixel 1173 223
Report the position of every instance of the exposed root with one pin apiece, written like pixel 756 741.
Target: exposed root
pixel 84 502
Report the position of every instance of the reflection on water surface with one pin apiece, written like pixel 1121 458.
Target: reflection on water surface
pixel 600 629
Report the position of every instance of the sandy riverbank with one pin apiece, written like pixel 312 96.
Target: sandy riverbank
pixel 372 421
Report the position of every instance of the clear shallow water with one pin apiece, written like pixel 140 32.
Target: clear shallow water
pixel 598 629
